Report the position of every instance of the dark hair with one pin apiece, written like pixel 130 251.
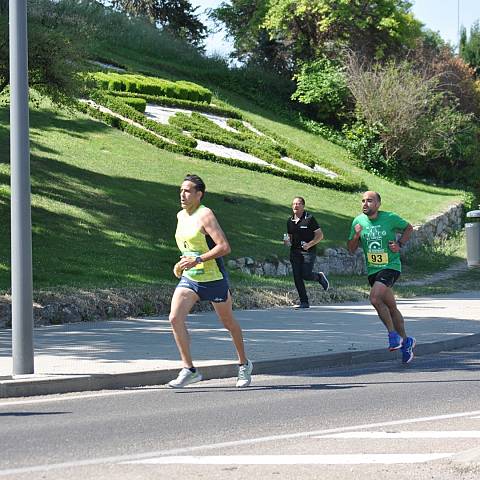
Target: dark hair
pixel 301 199
pixel 379 198
pixel 197 181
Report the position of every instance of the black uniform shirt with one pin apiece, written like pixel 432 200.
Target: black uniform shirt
pixel 302 231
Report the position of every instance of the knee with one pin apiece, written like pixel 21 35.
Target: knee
pixel 375 299
pixel 228 322
pixel 175 319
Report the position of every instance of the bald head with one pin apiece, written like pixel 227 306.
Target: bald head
pixel 371 203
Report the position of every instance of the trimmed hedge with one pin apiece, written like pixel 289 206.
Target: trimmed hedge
pixel 139 104
pixel 125 82
pixel 117 105
pixel 184 104
pixel 293 174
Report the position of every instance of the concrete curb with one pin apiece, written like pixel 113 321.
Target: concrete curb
pixel 46 385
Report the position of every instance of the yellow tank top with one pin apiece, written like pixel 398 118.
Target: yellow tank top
pixel 193 243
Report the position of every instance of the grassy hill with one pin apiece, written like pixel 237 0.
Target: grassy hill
pixel 104 203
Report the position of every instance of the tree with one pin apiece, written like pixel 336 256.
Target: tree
pixel 53 56
pixel 304 30
pixel 470 47
pixel 243 21
pixel 176 16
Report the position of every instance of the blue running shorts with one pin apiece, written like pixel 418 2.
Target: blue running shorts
pixel 216 291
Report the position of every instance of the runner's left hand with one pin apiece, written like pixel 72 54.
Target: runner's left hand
pixel 187 262
pixel 394 246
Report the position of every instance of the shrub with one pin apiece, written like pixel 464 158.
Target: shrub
pixel 185 104
pixel 322 84
pixel 152 86
pixel 138 104
pixel 364 143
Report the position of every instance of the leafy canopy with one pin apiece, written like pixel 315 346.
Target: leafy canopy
pixel 294 31
pixel 175 16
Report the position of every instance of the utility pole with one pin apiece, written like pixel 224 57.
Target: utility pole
pixel 21 222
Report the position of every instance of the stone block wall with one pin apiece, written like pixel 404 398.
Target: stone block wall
pixel 340 261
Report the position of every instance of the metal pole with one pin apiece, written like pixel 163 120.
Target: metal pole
pixel 21 223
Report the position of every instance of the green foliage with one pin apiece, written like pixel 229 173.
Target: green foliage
pixel 138 104
pixel 168 132
pixel 285 33
pixel 322 84
pixel 172 139
pixel 377 29
pixel 420 128
pixel 451 150
pixel 470 46
pixel 53 54
pixel 364 142
pixel 176 16
pixel 152 86
pixel 225 111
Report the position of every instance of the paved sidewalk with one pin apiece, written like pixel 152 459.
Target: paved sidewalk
pixel 141 351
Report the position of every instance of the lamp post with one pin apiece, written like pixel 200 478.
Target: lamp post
pixel 21 223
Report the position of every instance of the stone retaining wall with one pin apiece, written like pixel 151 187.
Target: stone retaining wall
pixel 340 261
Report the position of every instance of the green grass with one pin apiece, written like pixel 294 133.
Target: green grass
pixel 104 204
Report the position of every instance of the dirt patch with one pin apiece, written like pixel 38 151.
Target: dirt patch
pixel 68 306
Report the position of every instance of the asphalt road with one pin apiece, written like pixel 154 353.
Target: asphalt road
pixel 418 422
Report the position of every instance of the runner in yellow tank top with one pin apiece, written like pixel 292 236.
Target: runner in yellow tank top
pixel 192 242
pixel 202 277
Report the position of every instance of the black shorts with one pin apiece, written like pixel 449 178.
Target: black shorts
pixel 387 276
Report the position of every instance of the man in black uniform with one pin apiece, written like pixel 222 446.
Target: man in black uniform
pixel 303 234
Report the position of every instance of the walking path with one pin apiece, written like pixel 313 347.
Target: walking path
pixel 450 272
pixel 141 351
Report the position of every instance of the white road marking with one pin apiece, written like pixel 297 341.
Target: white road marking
pixel 348 459
pixel 66 397
pixel 234 443
pixel 407 434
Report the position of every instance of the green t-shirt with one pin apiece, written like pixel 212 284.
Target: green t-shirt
pixel 374 238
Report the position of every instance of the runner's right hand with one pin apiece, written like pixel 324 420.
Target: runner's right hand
pixel 177 270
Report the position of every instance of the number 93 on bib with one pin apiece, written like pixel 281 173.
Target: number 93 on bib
pixel 377 258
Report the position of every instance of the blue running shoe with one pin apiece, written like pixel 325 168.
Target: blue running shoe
pixel 394 341
pixel 407 349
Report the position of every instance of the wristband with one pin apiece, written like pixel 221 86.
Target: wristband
pixel 198 260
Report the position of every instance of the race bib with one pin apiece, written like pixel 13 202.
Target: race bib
pixel 377 258
pixel 199 268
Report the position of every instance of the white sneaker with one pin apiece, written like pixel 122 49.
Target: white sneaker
pixel 185 377
pixel 245 374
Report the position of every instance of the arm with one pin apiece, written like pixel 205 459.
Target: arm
pixel 396 246
pixel 210 226
pixel 317 236
pixel 353 243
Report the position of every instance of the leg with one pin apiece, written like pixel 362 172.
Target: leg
pixel 307 266
pixel 182 302
pixel 395 314
pixel 378 293
pixel 225 314
pixel 297 265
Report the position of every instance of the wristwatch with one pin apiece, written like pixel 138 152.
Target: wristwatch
pixel 198 260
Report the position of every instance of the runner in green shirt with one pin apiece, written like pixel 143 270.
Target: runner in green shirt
pixel 377 232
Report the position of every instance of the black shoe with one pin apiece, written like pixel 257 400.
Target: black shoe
pixel 302 305
pixel 323 281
